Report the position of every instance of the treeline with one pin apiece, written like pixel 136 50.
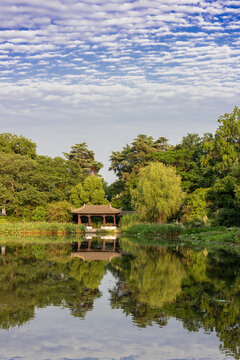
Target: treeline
pixel 196 181
pixel 34 187
pixel 209 169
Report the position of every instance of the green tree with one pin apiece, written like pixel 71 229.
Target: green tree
pixel 17 193
pixel 89 192
pixel 135 156
pixel 17 144
pixel 127 163
pixel 224 151
pixel 59 211
pixel 195 206
pixel 85 158
pixel 186 158
pixel 158 194
pixel 55 177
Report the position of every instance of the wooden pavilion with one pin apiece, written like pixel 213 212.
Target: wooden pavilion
pixel 96 210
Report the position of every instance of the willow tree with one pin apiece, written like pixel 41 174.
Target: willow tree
pixel 158 194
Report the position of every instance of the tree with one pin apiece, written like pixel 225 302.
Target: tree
pixel 186 157
pixel 84 157
pixel 158 194
pixel 195 206
pixel 89 192
pixel 17 192
pixel 127 163
pixel 132 158
pixel 17 144
pixel 224 150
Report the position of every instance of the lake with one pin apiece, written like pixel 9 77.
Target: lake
pixel 102 298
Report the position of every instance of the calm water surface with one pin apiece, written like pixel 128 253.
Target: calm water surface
pixel 148 302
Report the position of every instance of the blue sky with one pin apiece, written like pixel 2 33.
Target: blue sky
pixel 102 72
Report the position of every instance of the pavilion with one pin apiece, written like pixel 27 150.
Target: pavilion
pixel 96 210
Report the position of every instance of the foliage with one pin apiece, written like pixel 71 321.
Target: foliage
pixel 129 220
pixel 158 194
pixel 17 144
pixel 195 206
pixel 39 227
pixel 186 158
pixel 31 280
pixel 224 199
pixel 59 211
pixel 89 192
pixel 39 214
pixel 132 158
pixel 55 177
pixel 231 236
pixel 163 230
pixel 223 152
pixel 85 158
pixel 17 193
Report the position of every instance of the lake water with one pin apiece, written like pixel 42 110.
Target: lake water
pixel 172 301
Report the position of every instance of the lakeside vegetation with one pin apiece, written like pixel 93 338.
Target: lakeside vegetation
pixel 24 228
pixel 169 189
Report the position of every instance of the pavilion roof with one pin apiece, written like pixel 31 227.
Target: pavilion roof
pixel 96 209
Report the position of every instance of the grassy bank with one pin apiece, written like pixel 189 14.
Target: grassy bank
pixel 40 228
pixel 212 235
pixel 160 230
pixel 170 231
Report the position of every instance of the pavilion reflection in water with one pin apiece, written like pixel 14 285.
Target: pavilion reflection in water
pixel 91 249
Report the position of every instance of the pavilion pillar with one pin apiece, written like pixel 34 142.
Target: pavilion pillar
pixel 114 245
pixel 104 219
pixel 89 244
pixel 114 219
pixel 79 245
pixel 79 219
pixel 89 220
pixel 104 245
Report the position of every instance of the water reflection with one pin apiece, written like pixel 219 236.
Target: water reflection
pixel 94 248
pixel 199 288
pixel 150 285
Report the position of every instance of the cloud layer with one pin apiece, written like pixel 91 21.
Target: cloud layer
pixel 97 56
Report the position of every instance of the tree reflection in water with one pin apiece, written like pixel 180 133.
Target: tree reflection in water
pixel 200 289
pixel 43 275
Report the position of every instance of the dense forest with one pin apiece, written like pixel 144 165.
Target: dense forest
pixel 196 181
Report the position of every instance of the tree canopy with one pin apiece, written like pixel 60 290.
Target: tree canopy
pixel 89 192
pixel 17 144
pixel 85 158
pixel 158 194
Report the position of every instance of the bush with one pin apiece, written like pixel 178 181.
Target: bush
pixel 39 214
pixel 227 217
pixel 130 219
pixel 59 211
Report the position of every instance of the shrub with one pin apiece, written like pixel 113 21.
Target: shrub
pixel 130 219
pixel 59 211
pixel 39 214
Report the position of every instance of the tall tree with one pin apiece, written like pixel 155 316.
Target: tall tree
pixel 186 157
pixel 135 156
pixel 158 194
pixel 17 192
pixel 85 158
pixel 89 192
pixel 224 151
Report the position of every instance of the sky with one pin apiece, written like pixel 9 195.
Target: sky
pixel 104 71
